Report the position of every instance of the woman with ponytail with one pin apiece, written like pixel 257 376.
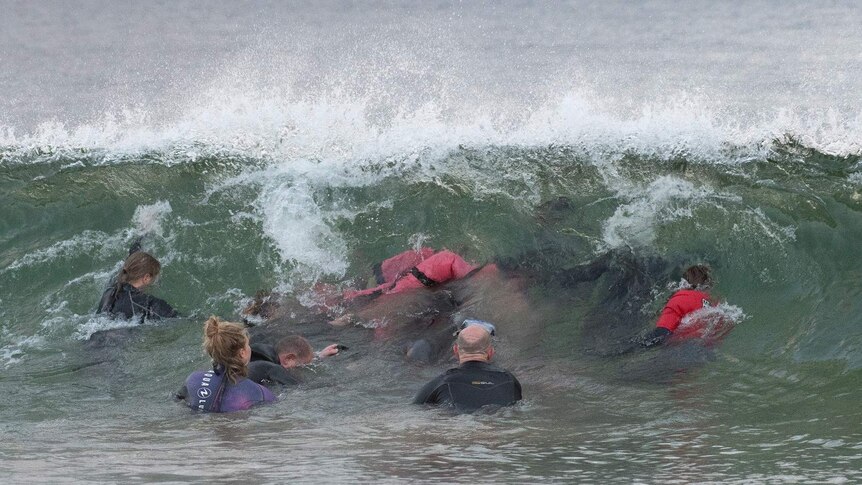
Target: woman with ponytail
pixel 225 388
pixel 125 297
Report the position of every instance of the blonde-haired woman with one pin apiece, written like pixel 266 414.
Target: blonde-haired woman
pixel 225 388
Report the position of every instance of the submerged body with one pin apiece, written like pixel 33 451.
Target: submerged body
pixel 681 304
pixel 265 367
pixel 211 391
pixel 125 297
pixel 471 386
pixel 131 303
pixel 225 388
pixel 416 269
pixel 476 382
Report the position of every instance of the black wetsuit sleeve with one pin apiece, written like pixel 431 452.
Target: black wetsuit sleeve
pixel 107 300
pixel 158 308
pixel 656 337
pixel 429 394
pixel 263 372
pixel 136 245
pixel 182 393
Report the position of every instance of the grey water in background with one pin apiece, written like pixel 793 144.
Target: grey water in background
pixel 280 144
pixel 75 61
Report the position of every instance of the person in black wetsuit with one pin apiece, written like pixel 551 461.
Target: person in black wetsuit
pixel 476 382
pixel 125 297
pixel 277 364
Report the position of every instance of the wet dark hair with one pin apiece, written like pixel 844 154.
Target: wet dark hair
pixel 223 341
pixel 138 265
pixel 698 276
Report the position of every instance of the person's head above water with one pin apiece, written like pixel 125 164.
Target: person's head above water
pixel 474 341
pixel 227 344
pixel 294 351
pixel 139 270
pixel 698 276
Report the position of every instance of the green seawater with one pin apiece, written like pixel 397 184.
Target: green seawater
pixel 777 400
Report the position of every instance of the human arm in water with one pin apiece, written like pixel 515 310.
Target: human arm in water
pixel 330 350
pixel 136 245
pixel 158 308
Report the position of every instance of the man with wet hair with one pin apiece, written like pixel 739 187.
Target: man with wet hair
pixel 275 365
pixel 476 382
pixel 685 301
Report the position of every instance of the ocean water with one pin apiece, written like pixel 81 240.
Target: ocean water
pixel 280 145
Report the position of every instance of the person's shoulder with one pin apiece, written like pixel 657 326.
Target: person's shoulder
pixel 262 370
pixel 195 376
pixel 263 351
pixel 256 366
pixel 473 369
pixel 430 392
pixel 689 294
pixel 452 371
pixel 503 371
pixel 496 369
pixel 692 294
pixel 245 384
pixel 442 378
pixel 255 390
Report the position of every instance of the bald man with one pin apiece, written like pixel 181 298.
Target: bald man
pixel 476 382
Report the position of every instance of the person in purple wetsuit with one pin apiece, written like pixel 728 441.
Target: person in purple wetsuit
pixel 225 388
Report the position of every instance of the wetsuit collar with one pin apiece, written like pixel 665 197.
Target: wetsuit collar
pixel 477 364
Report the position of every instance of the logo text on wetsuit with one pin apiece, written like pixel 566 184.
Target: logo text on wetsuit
pixel 204 391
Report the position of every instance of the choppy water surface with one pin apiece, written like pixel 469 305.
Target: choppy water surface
pixel 272 145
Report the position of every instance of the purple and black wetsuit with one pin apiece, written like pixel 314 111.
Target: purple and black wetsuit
pixel 210 392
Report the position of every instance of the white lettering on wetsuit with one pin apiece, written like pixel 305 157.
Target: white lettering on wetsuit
pixel 204 390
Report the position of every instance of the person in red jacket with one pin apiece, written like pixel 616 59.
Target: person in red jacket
pixel 680 304
pixel 415 269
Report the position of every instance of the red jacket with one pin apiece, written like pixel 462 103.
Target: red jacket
pixel 679 305
pixel 438 268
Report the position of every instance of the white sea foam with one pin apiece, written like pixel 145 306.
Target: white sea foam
pixel 298 147
pixel 337 128
pixel 14 351
pixel 148 218
pixel 88 242
pixel 713 321
pixel 332 141
pixel 663 200
pixel 293 220
pixel 97 323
